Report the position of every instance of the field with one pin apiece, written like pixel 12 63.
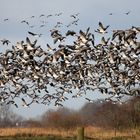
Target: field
pixel 61 134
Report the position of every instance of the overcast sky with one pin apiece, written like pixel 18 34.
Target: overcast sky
pixel 90 13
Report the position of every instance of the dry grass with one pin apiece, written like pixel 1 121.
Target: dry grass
pixel 35 132
pixel 90 131
pixel 96 132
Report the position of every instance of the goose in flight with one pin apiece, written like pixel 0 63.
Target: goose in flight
pixel 102 29
pixel 110 14
pixel 6 19
pixel 34 34
pixel 5 41
pixel 24 21
pixel 70 32
pixel 127 13
pixel 42 15
pixel 89 100
pixel 25 103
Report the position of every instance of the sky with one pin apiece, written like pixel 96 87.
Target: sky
pixel 90 13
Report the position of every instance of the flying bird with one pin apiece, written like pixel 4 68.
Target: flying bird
pixel 24 21
pixel 5 41
pixel 73 16
pixel 110 14
pixel 32 16
pixel 127 13
pixel 25 103
pixel 89 100
pixel 42 15
pixel 104 42
pixel 102 29
pixel 69 32
pixel 49 16
pixel 58 14
pixel 34 34
pixel 31 33
pixel 6 19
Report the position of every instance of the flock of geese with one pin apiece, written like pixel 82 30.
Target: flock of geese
pixel 35 75
pixel 42 21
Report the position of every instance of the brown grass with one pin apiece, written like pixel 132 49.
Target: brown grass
pixel 95 132
pixel 90 131
pixel 35 132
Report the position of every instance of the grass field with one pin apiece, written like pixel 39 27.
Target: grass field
pixel 61 138
pixel 93 133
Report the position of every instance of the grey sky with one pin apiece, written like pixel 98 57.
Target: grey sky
pixel 91 12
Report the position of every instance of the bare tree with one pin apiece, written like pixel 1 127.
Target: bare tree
pixel 133 109
pixel 88 112
pixel 7 117
pixel 4 115
pixel 61 118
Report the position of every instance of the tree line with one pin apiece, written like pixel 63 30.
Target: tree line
pixel 101 114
